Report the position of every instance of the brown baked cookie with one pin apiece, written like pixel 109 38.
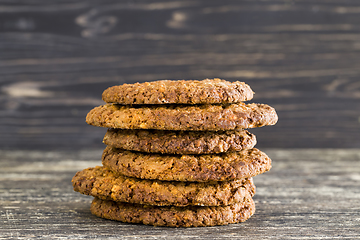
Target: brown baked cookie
pixel 102 183
pixel 199 168
pixel 207 91
pixel 169 216
pixel 175 117
pixel 179 142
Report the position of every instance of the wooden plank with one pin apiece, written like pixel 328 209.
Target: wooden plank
pixel 300 57
pixel 308 194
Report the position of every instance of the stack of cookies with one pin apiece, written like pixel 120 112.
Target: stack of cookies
pixel 177 153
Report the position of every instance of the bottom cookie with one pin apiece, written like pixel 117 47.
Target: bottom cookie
pixel 169 216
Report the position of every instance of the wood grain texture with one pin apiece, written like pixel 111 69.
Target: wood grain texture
pixel 308 194
pixel 302 57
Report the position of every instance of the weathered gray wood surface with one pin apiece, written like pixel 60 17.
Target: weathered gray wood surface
pixel 301 56
pixel 308 194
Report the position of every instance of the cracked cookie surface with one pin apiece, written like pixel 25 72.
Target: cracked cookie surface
pixel 105 184
pixel 207 91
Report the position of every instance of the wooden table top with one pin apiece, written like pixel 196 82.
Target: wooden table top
pixel 308 194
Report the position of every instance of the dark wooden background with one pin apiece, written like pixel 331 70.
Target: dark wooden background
pixel 56 58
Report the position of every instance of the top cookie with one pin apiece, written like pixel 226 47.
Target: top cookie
pixel 207 91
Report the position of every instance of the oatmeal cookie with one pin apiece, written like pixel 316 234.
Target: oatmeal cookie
pixel 179 117
pixel 105 184
pixel 200 168
pixel 207 91
pixel 180 142
pixel 170 216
